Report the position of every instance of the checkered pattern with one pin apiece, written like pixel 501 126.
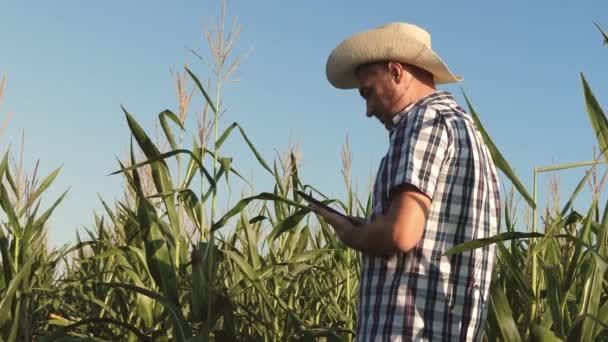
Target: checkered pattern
pixel 422 295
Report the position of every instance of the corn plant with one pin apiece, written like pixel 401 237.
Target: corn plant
pixel 29 268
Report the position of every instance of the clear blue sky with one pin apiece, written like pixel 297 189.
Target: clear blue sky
pixel 71 64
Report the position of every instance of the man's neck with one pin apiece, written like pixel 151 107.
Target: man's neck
pixel 419 93
pixel 409 99
pixel 414 94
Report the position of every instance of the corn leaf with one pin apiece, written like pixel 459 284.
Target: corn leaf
pixel 470 245
pixel 43 186
pixel 604 34
pixel 501 310
pixel 498 158
pixel 202 89
pixel 13 286
pixel 244 202
pixel 165 125
pixel 182 328
pixel 597 118
pixel 160 170
pixel 542 334
pixel 62 331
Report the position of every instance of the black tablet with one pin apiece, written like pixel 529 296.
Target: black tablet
pixel 326 207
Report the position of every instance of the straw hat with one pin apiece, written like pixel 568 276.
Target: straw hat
pixel 398 42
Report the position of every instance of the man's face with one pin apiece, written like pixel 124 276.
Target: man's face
pixel 379 90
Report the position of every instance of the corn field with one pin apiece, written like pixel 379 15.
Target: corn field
pixel 164 264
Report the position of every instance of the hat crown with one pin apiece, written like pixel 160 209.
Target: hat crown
pixel 406 29
pixel 395 41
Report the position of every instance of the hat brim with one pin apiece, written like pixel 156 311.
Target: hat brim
pixel 376 46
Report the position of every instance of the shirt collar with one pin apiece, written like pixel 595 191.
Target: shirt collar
pixel 440 95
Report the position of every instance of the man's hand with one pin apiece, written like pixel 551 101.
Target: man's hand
pixel 343 227
pixel 397 231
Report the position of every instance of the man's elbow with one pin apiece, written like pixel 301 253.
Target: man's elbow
pixel 404 240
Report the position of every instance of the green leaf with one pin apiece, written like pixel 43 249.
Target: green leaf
pixel 257 219
pixel 252 242
pixel 288 223
pixel 498 158
pixel 581 319
pixel 16 323
pixel 4 170
pixel 250 274
pixel 62 331
pixel 501 311
pixel 542 334
pixel 255 151
pixel 7 261
pixel 160 170
pixel 163 122
pixel 197 154
pixel 573 218
pixel 40 222
pixel 554 296
pixel 202 89
pixel 597 118
pixel 604 34
pixel 7 206
pixel 225 135
pixel 593 289
pixel 308 256
pixel 163 156
pixel 243 284
pixel 4 165
pixel 43 186
pixel 470 245
pixel 157 252
pixel 602 316
pixel 182 328
pixel 225 162
pixel 303 241
pixel 123 250
pixel 13 286
pixel 258 156
pixel 192 206
pixel 514 268
pixel 244 202
pixel 144 303
pixel 205 265
pixel 294 174
pixel 200 287
pixel 279 182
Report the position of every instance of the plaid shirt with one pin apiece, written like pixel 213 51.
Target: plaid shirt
pixel 422 295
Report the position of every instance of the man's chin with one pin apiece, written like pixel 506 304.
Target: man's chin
pixel 385 123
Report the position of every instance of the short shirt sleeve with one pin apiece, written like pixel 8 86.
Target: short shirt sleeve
pixel 418 149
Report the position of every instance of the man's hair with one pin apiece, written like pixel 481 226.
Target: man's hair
pixel 418 72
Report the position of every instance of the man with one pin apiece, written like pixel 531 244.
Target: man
pixel 435 188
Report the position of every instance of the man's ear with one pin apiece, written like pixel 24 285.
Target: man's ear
pixel 395 71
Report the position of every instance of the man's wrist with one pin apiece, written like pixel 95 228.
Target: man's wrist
pixel 352 238
pixel 372 238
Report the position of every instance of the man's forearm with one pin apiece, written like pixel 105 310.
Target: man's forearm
pixel 373 238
